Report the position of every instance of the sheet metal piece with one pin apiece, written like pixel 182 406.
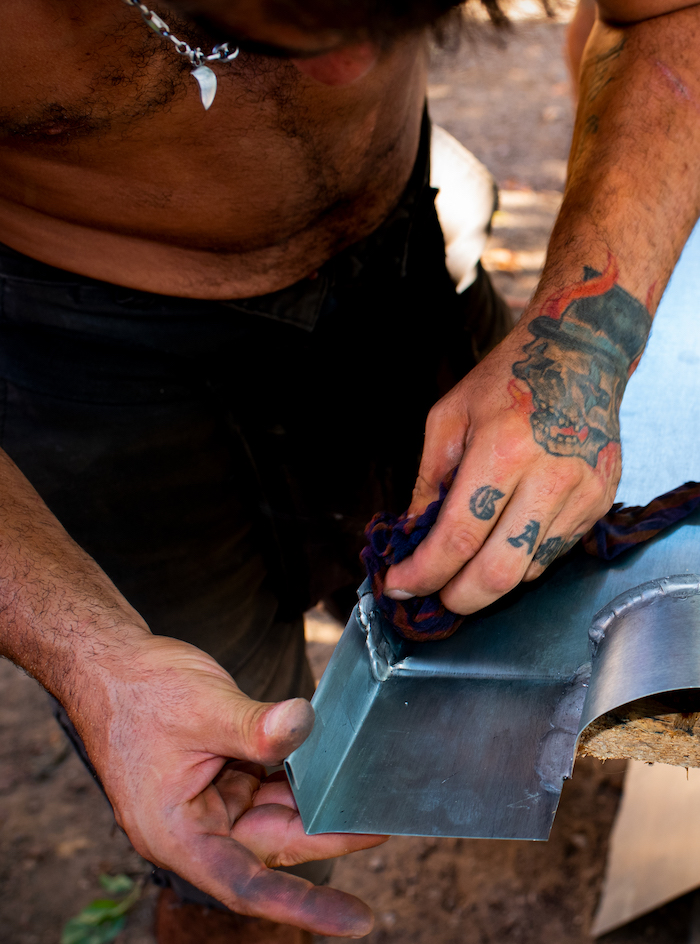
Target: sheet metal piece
pixel 473 736
pixel 646 642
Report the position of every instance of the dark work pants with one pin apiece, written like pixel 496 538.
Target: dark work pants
pixel 220 460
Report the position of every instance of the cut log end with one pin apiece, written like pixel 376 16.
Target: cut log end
pixel 663 730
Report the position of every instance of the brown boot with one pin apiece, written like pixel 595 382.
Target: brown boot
pixel 180 923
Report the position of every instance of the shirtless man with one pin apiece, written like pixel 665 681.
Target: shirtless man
pixel 172 278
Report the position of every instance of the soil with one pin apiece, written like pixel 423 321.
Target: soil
pixel 508 99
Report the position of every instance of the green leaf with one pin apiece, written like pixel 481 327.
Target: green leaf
pixel 116 884
pixel 97 912
pixel 77 932
pixel 74 932
pixel 103 919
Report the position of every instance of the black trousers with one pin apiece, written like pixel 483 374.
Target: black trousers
pixel 220 460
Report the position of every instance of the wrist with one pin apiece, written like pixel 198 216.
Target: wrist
pixel 68 635
pixel 61 618
pixel 85 666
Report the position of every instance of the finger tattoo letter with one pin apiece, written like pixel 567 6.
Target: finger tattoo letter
pixel 548 550
pixel 482 504
pixel 529 536
pixel 554 547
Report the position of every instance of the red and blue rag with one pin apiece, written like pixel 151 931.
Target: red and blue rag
pixel 392 538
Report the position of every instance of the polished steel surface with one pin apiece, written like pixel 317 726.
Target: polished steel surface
pixel 646 642
pixel 473 736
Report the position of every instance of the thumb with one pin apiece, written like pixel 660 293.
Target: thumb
pixel 266 733
pixel 445 433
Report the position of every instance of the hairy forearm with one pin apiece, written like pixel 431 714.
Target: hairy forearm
pixel 632 198
pixel 634 173
pixel 535 426
pixel 160 721
pixel 61 618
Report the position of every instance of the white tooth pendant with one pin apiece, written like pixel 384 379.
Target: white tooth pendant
pixel 207 85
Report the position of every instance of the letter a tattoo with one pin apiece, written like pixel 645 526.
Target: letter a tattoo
pixel 529 536
pixel 548 551
pixel 482 504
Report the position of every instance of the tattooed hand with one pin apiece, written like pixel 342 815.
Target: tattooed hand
pixel 535 430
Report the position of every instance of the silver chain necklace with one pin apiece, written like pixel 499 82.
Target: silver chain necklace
pixel 198 59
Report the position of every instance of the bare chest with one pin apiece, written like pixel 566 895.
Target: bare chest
pixel 102 127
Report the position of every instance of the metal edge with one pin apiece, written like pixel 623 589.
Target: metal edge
pixel 384 647
pixel 304 755
pixel 676 586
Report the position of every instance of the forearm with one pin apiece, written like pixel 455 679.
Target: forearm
pixel 634 173
pixel 61 618
pixel 632 198
pixel 535 426
pixel 160 721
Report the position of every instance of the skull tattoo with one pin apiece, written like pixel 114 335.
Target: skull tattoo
pixel 578 364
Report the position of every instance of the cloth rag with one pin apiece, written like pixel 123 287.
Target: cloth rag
pixel 392 539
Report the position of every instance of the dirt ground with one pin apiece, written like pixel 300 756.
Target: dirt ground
pixel 508 100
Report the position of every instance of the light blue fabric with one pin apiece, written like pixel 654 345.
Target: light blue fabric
pixel 660 416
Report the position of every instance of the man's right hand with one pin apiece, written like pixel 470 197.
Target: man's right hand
pixel 161 732
pixel 161 722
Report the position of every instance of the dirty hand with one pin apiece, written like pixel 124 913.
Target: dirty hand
pixel 534 429
pixel 161 731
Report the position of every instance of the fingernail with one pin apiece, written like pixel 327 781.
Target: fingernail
pixel 399 594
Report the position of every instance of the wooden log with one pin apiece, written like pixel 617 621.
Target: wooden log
pixel 664 729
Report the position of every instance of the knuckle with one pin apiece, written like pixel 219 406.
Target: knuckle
pixel 462 544
pixel 452 599
pixel 593 501
pixel 549 486
pixel 599 488
pixel 568 479
pixel 606 498
pixel 561 480
pixel 533 572
pixel 599 509
pixel 499 576
pixel 425 485
pixel 589 520
pixel 438 413
pixel 512 450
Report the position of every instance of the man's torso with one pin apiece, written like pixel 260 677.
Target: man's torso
pixel 110 167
